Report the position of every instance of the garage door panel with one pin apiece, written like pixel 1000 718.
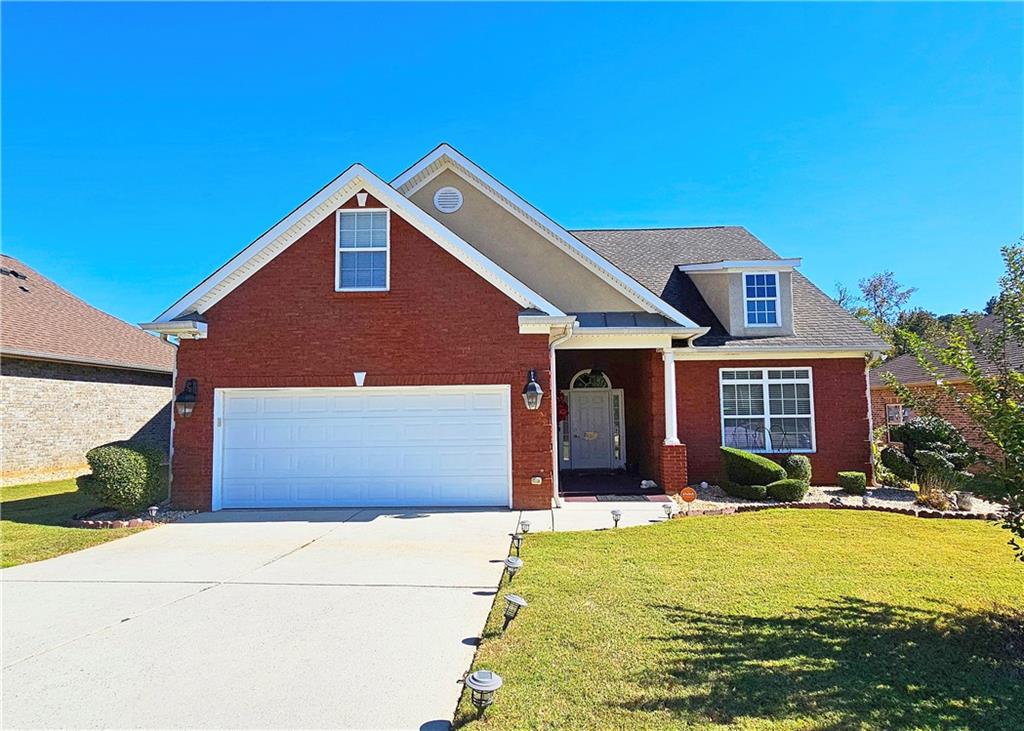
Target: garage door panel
pixel 348 447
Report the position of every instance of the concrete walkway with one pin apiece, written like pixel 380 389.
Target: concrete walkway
pixel 255 619
pixel 595 515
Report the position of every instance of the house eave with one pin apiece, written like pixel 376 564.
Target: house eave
pixel 81 360
pixel 184 329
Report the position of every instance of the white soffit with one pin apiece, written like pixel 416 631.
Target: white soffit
pixel 737 265
pixel 445 156
pixel 324 203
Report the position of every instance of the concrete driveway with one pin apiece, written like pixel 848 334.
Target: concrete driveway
pixel 255 619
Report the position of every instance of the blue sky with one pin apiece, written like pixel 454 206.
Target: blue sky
pixel 145 144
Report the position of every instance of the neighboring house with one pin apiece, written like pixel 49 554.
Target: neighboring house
pixel 889 410
pixel 371 348
pixel 72 378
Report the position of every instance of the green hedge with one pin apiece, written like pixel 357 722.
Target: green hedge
pixel 854 483
pixel 797 467
pixel 746 468
pixel 788 490
pixel 745 492
pixel 124 476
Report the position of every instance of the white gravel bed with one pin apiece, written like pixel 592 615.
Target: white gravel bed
pixel 713 497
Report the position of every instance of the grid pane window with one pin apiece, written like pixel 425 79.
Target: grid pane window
pixel 768 410
pixel 761 294
pixel 363 250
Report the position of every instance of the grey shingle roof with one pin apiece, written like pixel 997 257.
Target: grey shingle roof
pixel 43 320
pixel 651 256
pixel 908 371
pixel 623 319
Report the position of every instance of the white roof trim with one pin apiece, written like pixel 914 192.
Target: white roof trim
pixel 322 204
pixel 773 265
pixel 187 329
pixel 444 156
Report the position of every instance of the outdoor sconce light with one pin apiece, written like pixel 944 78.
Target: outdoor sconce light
pixel 616 516
pixel 186 400
pixel 512 566
pixel 668 510
pixel 483 684
pixel 524 525
pixel 533 394
pixel 513 603
pixel 517 542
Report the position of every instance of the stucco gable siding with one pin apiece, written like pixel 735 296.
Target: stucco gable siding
pixel 521 251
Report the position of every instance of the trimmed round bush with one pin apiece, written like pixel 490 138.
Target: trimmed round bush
pixel 124 476
pixel 798 467
pixel 854 483
pixel 745 492
pixel 896 462
pixel 747 468
pixel 788 490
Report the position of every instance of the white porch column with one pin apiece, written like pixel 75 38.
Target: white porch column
pixel 671 426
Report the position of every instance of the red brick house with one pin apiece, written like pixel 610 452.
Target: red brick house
pixel 373 346
pixel 888 408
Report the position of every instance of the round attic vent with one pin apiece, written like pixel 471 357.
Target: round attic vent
pixel 448 199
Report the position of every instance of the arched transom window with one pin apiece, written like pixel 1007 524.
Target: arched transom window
pixel 590 379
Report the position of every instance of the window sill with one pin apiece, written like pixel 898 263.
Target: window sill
pixel 362 290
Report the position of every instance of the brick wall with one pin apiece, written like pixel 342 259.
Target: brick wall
pixel 439 324
pixel 840 411
pixel 944 407
pixel 53 413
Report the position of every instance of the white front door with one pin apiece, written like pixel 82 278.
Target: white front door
pixel 590 418
pixel 322 447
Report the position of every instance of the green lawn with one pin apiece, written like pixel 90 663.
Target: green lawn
pixel 809 619
pixel 32 519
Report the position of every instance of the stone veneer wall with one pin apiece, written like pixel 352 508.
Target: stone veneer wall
pixel 52 413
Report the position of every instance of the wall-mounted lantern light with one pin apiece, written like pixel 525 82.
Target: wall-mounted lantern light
pixel 533 394
pixel 186 400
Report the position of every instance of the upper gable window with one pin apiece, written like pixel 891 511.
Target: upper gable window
pixel 363 252
pixel 761 299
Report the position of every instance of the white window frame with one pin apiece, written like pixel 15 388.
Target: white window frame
pixel 777 299
pixel 354 249
pixel 767 416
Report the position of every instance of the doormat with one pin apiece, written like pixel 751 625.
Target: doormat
pixel 622 498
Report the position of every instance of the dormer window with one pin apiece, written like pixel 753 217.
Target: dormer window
pixel 362 263
pixel 761 299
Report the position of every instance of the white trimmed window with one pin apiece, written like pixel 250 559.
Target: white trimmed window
pixel 767 409
pixel 761 299
pixel 363 257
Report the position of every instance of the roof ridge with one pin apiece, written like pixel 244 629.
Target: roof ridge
pixel 655 228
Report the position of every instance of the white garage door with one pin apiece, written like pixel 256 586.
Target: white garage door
pixel 320 447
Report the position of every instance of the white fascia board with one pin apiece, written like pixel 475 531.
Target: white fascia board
pixel 724 353
pixel 323 204
pixel 738 265
pixel 552 231
pixel 544 324
pixel 187 329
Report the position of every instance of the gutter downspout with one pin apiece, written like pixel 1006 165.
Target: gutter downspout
pixel 568 332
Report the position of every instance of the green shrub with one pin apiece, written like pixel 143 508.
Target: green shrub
pixel 896 462
pixel 124 476
pixel 789 490
pixel 854 483
pixel 798 467
pixel 745 492
pixel 933 462
pixel 746 468
pixel 927 432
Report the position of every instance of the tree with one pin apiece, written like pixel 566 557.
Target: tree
pixel 884 297
pixel 922 323
pixel 845 297
pixel 995 399
pixel 990 306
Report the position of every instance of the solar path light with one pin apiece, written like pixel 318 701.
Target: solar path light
pixel 483 685
pixel 512 565
pixel 616 517
pixel 513 603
